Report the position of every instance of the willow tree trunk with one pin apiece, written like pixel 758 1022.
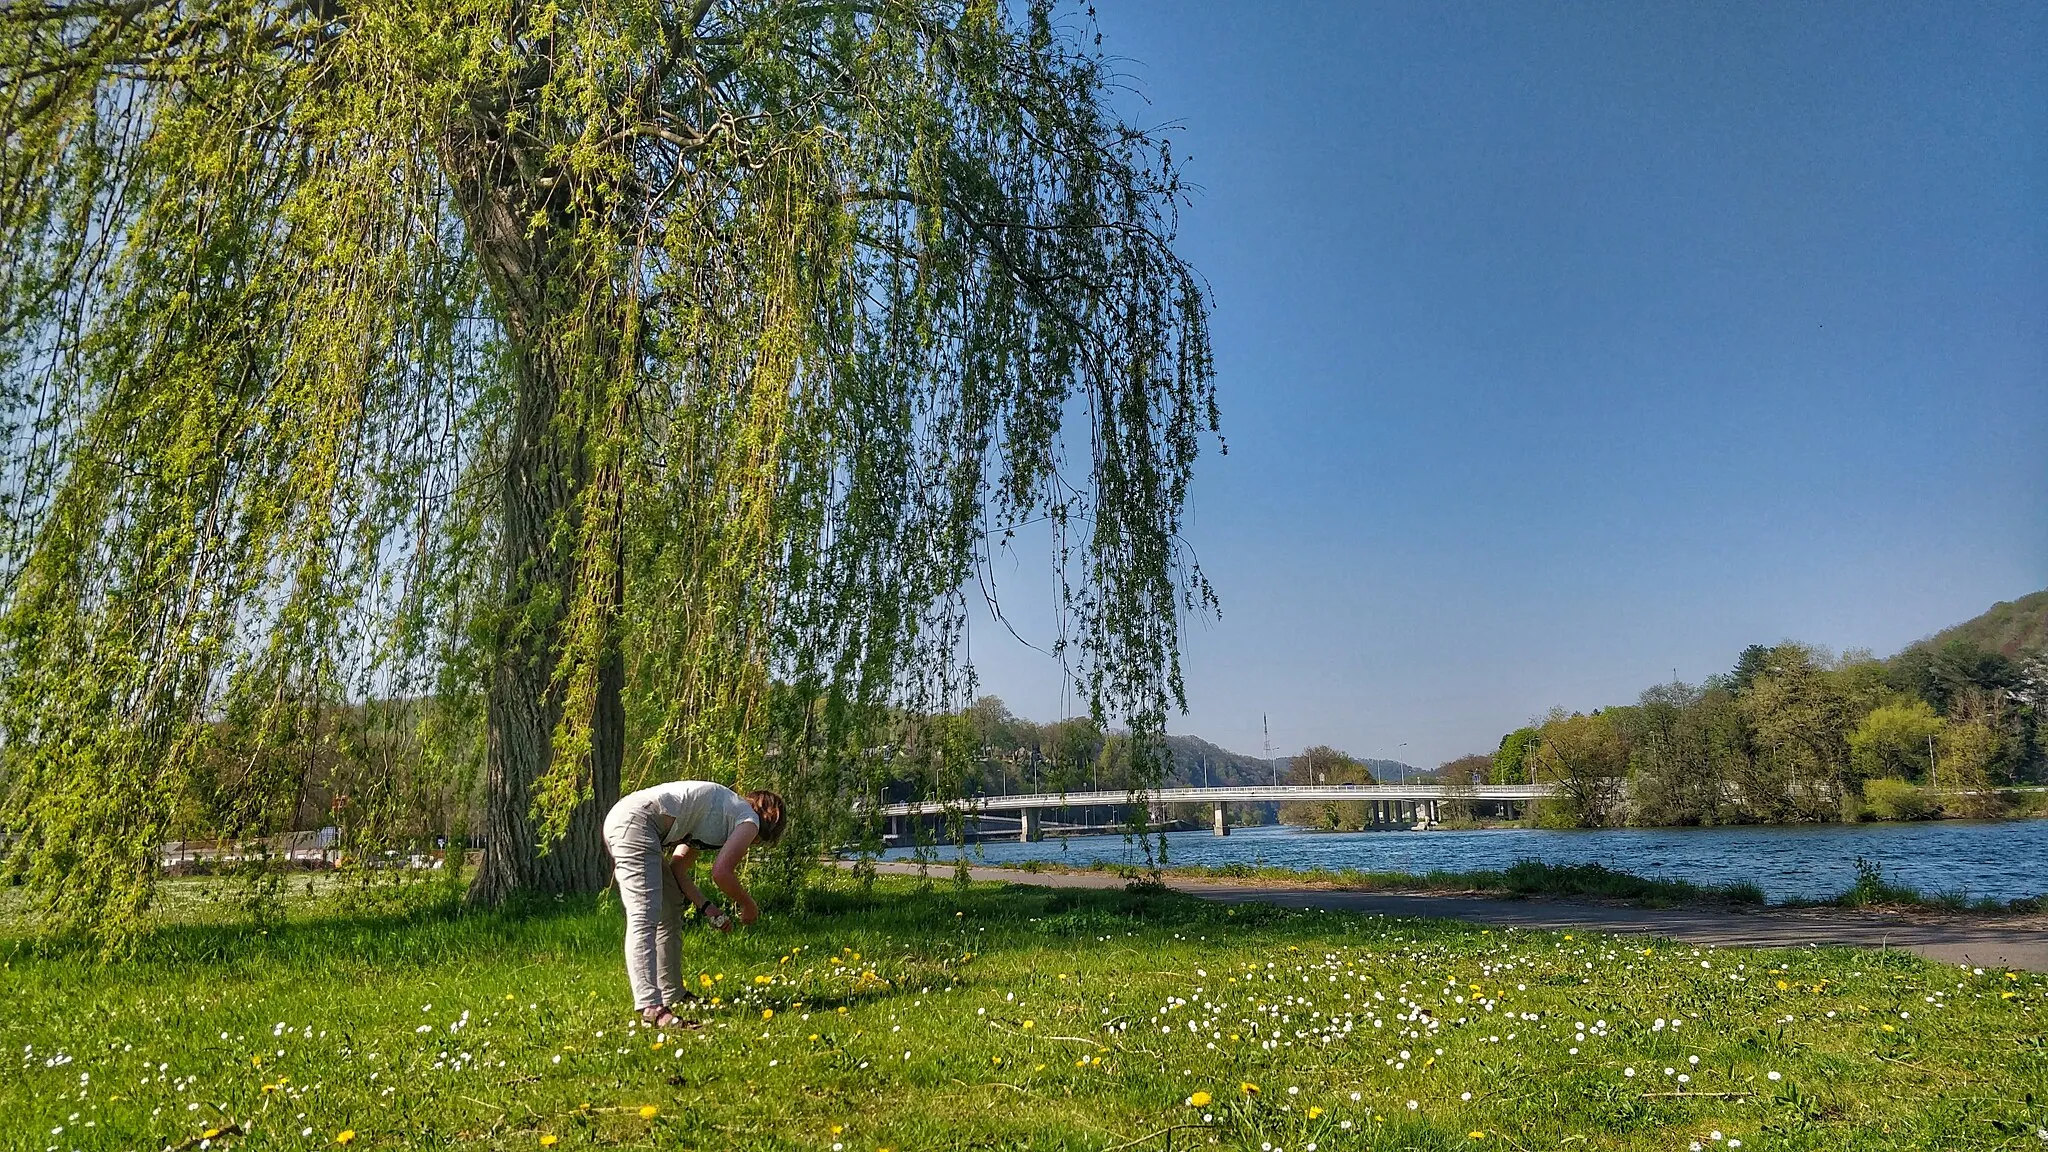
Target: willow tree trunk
pixel 547 469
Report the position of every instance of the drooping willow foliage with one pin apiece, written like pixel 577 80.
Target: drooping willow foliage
pixel 636 383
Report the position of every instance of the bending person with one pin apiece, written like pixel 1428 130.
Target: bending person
pixel 684 817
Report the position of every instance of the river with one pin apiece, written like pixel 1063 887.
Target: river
pixel 2002 860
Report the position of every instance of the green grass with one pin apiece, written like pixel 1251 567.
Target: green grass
pixel 1522 878
pixel 1003 1017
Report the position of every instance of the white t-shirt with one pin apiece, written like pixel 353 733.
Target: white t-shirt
pixel 695 812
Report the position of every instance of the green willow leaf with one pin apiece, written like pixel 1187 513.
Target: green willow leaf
pixel 403 399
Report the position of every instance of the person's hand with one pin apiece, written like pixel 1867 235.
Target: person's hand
pixel 749 912
pixel 716 917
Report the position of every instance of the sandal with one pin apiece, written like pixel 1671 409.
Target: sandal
pixel 659 1017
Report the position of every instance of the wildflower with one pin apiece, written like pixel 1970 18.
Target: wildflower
pixel 1772 1076
pixel 1476 1134
pixel 1030 1024
pixel 1315 1112
pixel 649 1111
pixel 547 1140
pixel 767 1013
pixel 345 1136
pixel 1199 1100
pixel 1248 1088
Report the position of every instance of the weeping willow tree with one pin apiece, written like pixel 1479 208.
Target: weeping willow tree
pixel 646 380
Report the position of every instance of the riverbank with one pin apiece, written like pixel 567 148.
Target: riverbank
pixel 925 1017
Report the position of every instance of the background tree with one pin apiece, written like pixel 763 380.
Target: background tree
pixel 648 373
pixel 1586 758
pixel 1799 718
pixel 1511 762
pixel 1896 740
pixel 1675 776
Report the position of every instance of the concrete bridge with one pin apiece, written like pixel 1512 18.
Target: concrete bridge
pixel 1392 805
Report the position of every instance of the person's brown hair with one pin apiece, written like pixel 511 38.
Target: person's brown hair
pixel 768 806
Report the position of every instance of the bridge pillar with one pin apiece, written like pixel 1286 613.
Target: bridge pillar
pixel 1222 824
pixel 1028 829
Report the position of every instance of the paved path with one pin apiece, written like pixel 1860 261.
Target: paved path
pixel 2020 942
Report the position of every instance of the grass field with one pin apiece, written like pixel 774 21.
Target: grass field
pixel 988 1017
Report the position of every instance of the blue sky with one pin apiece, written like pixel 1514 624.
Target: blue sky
pixel 1565 346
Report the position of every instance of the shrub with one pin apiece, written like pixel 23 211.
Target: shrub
pixel 1873 890
pixel 1890 799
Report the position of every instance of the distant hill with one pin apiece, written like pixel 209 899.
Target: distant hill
pixel 2016 628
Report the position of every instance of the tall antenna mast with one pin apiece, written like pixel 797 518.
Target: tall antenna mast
pixel 1268 733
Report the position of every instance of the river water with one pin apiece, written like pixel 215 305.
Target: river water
pixel 2002 860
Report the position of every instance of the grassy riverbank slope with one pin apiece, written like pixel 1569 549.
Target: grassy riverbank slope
pixel 995 1017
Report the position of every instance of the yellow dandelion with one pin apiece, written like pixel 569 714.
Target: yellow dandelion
pixel 1199 1100
pixel 209 1134
pixel 1476 1134
pixel 649 1111
pixel 1315 1112
pixel 1248 1088
pixel 1783 987
pixel 1030 1024
pixel 547 1140
pixel 767 1013
pixel 345 1136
